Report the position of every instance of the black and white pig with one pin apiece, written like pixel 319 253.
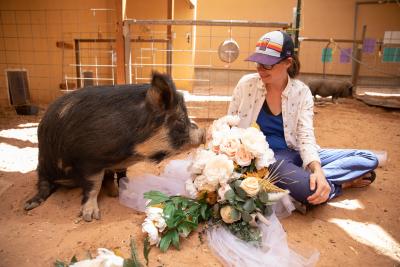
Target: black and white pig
pixel 95 130
pixel 334 88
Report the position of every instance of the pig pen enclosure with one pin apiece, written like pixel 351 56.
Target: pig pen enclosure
pixel 205 59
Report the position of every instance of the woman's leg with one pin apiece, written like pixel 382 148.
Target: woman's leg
pixel 345 165
pixel 292 176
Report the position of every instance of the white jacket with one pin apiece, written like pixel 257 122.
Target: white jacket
pixel 297 112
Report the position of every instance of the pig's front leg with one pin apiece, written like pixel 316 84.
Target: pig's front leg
pixel 90 210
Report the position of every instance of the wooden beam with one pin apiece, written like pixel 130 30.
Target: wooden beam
pixel 119 37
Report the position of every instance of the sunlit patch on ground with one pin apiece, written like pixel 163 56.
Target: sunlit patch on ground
pixel 15 159
pixel 371 235
pixel 348 204
pixel 23 134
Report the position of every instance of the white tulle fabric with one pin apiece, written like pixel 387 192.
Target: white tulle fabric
pixel 274 250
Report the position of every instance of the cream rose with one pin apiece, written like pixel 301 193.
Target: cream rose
pixel 254 141
pixel 229 147
pixel 219 168
pixel 243 157
pixel 232 120
pixel 251 186
pixel 203 183
pixel 155 215
pixel 229 214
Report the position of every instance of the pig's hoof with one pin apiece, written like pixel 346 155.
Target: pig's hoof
pixel 88 214
pixel 31 204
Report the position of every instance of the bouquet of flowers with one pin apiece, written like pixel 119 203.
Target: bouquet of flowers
pixel 230 185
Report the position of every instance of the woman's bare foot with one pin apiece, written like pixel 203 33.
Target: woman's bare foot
pixel 362 181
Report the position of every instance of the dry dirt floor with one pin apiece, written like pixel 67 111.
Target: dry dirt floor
pixel 359 228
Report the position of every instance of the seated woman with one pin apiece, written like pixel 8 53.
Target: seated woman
pixel 283 108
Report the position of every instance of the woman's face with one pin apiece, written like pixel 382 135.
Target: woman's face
pixel 276 75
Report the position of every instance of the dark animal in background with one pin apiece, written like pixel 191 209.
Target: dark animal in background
pixel 90 133
pixel 334 88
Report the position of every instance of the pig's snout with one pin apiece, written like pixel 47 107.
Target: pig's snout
pixel 197 135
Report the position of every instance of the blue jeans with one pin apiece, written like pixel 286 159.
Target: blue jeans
pixel 339 166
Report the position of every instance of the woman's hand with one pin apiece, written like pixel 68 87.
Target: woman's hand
pixel 318 180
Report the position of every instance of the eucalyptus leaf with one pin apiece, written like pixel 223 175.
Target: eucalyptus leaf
pixel 235 214
pixel 263 196
pixel 229 195
pixel 246 216
pixel 268 210
pixel 240 192
pixel 249 205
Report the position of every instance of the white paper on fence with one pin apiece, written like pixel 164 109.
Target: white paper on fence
pixel 231 250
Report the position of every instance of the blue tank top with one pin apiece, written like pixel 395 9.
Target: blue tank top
pixel 272 127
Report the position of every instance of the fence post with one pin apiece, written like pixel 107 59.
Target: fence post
pixel 357 59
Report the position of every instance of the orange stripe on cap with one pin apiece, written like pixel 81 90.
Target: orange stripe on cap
pixel 268 44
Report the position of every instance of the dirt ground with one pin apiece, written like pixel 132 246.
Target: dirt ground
pixel 359 228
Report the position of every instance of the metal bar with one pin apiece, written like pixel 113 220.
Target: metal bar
pixel 238 23
pixel 324 40
pixel 180 65
pixel 170 16
pixel 138 40
pixel 78 63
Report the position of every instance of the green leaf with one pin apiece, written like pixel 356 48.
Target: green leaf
pixel 169 213
pixel 249 205
pixel 203 211
pixel 59 263
pixel 175 239
pixel 156 197
pixel 184 229
pixel 133 261
pixel 165 241
pixel 241 193
pixel 215 211
pixel 146 250
pixel 73 260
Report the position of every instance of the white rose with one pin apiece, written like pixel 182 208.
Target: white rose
pixel 152 231
pixel 191 189
pixel 156 216
pixel 266 159
pixel 200 160
pixel 229 214
pixel 232 120
pixel 243 157
pixel 254 141
pixel 251 186
pixel 219 168
pixel 202 182
pixel 222 190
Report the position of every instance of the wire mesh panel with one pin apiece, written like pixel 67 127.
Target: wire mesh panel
pixel 43 42
pixel 204 58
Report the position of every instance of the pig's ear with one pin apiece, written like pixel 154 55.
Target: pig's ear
pixel 161 94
